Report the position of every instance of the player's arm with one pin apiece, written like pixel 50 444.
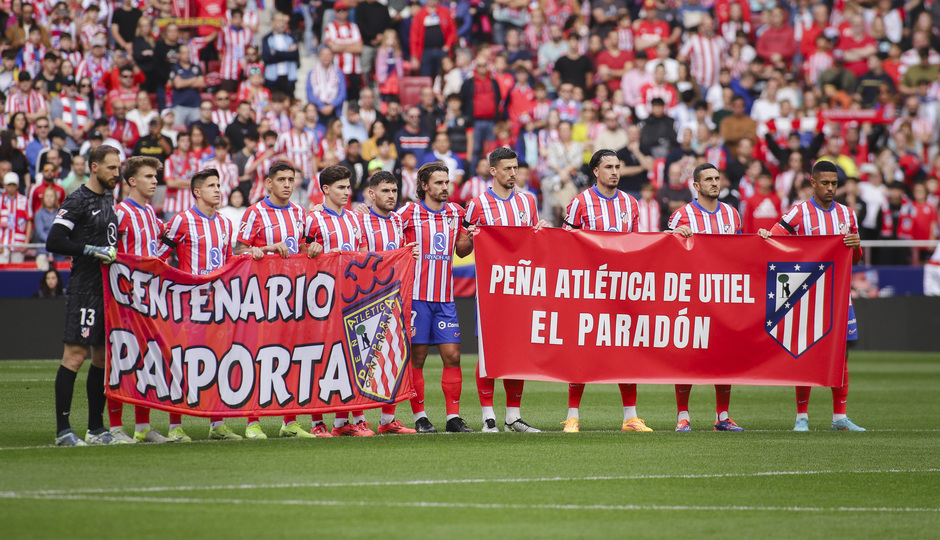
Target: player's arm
pixel 172 237
pixel 464 244
pixel 679 224
pixel 60 241
pixel 573 215
pixel 781 229
pixel 853 240
pixel 312 232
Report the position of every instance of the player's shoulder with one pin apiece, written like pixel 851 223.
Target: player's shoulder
pixel 455 209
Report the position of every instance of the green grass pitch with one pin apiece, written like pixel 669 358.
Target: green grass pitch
pixel 767 482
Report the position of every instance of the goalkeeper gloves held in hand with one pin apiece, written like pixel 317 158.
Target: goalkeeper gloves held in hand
pixel 107 254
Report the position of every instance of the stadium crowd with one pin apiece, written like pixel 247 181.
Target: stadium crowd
pixel 761 88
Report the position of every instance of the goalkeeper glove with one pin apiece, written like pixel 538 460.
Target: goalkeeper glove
pixel 107 254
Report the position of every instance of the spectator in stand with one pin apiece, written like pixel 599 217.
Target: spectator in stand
pixel 777 44
pixel 563 182
pixel 896 224
pixel 50 285
pixel 206 122
pixel 241 126
pixel 15 219
pixel 856 45
pixel 657 89
pixel 122 129
pixel 187 80
pixel 869 84
pixel 165 58
pixel 481 103
pixel 635 165
pixel 17 33
pixel 326 85
pixel 651 31
pixel 232 43
pixel 373 20
pixel 281 57
pixel 432 114
pixel 432 37
pixel 675 193
pixel 411 137
pixel 704 51
pixel 42 224
pixel 874 193
pixel 353 127
pixel 49 172
pixel 764 208
pixel 144 51
pixel 611 135
pixel 142 112
pixel 574 68
pixel 389 65
pixel 737 125
pixel 550 51
pixel 924 226
pixel 345 40
pixel 441 151
pixel 77 175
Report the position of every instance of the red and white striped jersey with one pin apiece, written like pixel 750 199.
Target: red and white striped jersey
pixel 808 219
pixel 337 148
pixel 89 30
pixel 179 166
pixel 381 233
pixel 222 118
pixel 724 220
pixel 228 176
pixel 30 103
pixel 297 148
pixel 704 54
pixel 334 231
pixel 625 39
pixel 95 69
pixel 202 244
pixel 519 210
pixel 266 224
pixel 592 211
pixel 249 17
pixel 409 184
pixel 650 214
pixel 473 187
pixel 650 91
pixel 815 64
pixel 344 34
pixel 279 123
pixel 139 228
pixel 436 234
pixel 232 44
pixel 14 219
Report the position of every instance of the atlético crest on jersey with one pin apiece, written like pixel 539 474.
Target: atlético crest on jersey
pixel 799 303
pixel 377 342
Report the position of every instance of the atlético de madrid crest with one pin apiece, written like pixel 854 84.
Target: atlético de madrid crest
pixel 378 343
pixel 799 303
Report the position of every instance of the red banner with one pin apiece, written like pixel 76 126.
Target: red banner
pixel 261 338
pixel 874 116
pixel 602 307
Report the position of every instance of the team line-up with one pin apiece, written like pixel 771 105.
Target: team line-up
pixel 92 230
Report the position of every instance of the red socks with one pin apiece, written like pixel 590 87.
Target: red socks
pixel 683 391
pixel 722 398
pixel 840 394
pixel 513 392
pixel 141 415
pixel 575 391
pixel 115 411
pixel 451 381
pixel 389 409
pixel 417 401
pixel 485 388
pixel 802 399
pixel 628 394
pixel 176 418
pixel 289 419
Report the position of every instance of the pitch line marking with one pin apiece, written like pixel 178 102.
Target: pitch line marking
pixel 481 506
pixel 456 481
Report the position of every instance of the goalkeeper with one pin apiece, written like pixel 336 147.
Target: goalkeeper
pixel 86 229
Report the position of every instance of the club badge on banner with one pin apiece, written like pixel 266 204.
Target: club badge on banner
pixel 602 307
pixel 261 338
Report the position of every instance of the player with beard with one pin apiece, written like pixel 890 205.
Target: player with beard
pixel 706 215
pixel 437 227
pixel 604 208
pixel 85 228
pixel 501 205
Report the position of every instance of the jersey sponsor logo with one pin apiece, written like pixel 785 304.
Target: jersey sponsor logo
pixel 346 247
pixel 390 246
pixel 439 242
pixel 215 258
pixel 291 244
pixel 112 234
pixel 377 345
pixel 153 246
pixel 799 303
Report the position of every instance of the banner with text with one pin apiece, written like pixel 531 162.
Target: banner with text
pixel 269 337
pixel 604 307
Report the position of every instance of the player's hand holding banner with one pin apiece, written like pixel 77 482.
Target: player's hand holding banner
pixel 597 307
pixel 268 337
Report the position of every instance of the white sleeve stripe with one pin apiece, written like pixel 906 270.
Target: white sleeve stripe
pixel 63 221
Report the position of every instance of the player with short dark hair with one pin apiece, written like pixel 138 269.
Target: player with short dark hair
pixel 202 240
pixel 139 231
pixel 502 205
pixel 604 208
pixel 437 227
pixel 336 229
pixel 274 225
pixel 382 231
pixel 86 229
pixel 822 216
pixel 705 215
